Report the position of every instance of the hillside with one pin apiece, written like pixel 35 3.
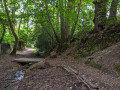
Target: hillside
pixel 91 43
pixel 100 50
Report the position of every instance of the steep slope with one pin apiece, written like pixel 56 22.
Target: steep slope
pixel 109 58
pixel 99 41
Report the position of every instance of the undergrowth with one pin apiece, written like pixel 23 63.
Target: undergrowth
pixel 35 51
pixel 99 41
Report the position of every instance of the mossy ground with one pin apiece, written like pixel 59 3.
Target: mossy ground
pixel 96 65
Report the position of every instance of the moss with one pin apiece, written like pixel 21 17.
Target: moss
pixel 93 64
pixel 13 81
pixel 96 65
pixel 117 68
pixel 15 68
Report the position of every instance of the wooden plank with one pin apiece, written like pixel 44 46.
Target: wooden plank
pixel 28 60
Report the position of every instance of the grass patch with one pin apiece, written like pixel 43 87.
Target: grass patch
pixel 35 51
pixel 117 68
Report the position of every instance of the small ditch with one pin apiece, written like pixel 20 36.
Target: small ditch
pixel 11 79
pixel 19 75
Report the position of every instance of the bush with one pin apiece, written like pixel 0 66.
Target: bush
pixel 43 43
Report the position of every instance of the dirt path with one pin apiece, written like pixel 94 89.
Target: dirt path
pixel 56 78
pixel 27 52
pixel 103 80
pixel 50 78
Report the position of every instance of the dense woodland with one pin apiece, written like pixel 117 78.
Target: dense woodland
pixel 47 24
pixel 59 44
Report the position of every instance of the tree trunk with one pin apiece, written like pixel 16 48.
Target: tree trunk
pixel 62 22
pixel 113 12
pixel 76 20
pixel 100 15
pixel 49 20
pixel 3 34
pixel 12 29
pixel 67 18
pixel 19 26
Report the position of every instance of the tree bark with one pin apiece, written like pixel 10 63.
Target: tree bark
pixel 3 34
pixel 76 20
pixel 49 20
pixel 12 30
pixel 19 26
pixel 100 15
pixel 113 12
pixel 67 18
pixel 62 22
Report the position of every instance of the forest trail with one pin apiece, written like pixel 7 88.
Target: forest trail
pixel 57 78
pixel 26 52
pixel 98 78
pixel 109 80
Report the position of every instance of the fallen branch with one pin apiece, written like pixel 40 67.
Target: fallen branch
pixel 80 78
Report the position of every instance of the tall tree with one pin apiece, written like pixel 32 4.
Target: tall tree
pixel 62 21
pixel 100 14
pixel 50 21
pixel 12 29
pixel 3 34
pixel 113 12
pixel 76 19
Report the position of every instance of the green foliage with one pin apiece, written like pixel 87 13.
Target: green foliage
pixel 39 20
pixel 36 51
pixel 13 81
pixel 43 43
pixel 23 37
pixel 8 38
